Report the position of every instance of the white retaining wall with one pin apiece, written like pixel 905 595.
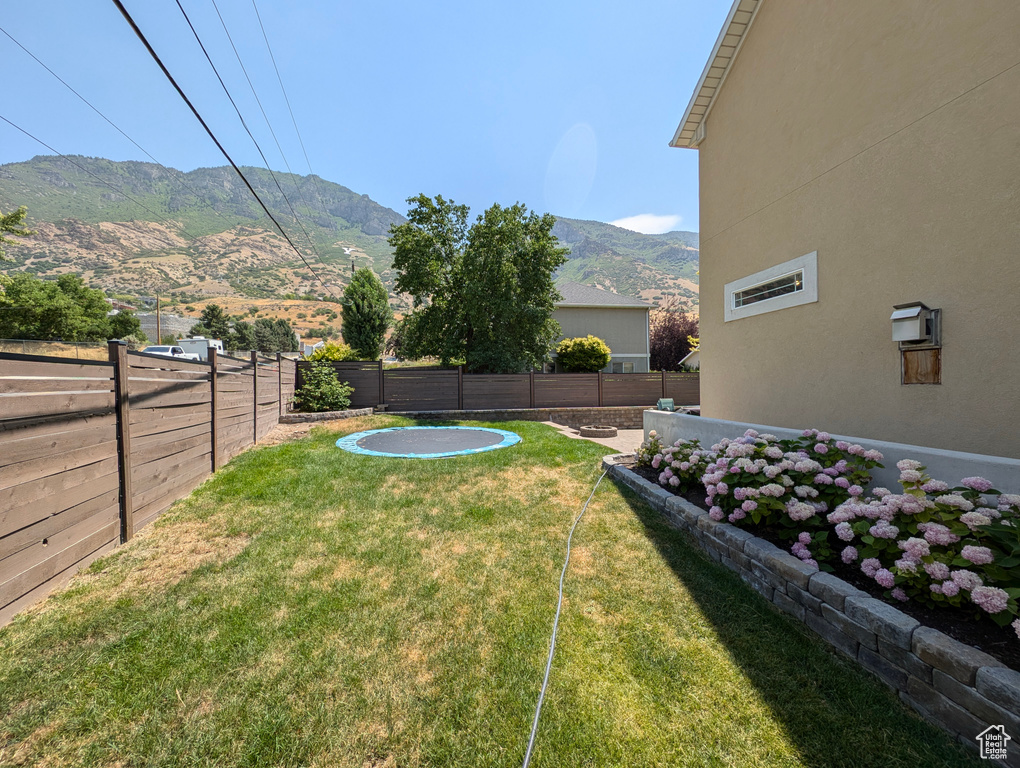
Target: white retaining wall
pixel 950 466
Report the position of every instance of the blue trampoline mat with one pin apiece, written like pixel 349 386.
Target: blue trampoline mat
pixel 427 442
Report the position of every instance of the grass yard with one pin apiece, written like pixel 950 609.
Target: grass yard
pixel 310 607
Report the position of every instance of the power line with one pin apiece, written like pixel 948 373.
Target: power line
pixel 141 36
pixel 116 127
pixel 248 130
pixel 137 202
pixel 311 173
pixel 269 124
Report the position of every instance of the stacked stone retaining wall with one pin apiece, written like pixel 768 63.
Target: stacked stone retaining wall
pixel 959 688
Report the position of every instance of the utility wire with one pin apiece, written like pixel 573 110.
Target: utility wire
pixel 182 178
pixel 244 124
pixel 311 173
pixel 141 36
pixel 137 202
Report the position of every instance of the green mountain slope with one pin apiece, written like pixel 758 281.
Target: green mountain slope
pixel 136 228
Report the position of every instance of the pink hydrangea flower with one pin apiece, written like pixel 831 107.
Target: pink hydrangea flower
pixel 936 533
pixel 915 548
pixel 967 580
pixel 842 445
pixel 990 599
pixel 737 514
pixel 845 532
pixel 885 578
pixel 882 530
pixel 880 493
pixel 821 448
pixel 772 489
pixel 800 550
pixel 937 570
pixel 910 476
pixel 935 486
pixel 722 489
pixel 805 491
pixel 978 484
pixel 906 565
pixel 954 500
pixel 749 505
pixel 799 511
pixel 900 595
pixel 855 490
pixel 849 555
pixel 977 555
pixel 812 562
pixel 842 482
pixel 1009 499
pixel 908 464
pixel 674 481
pixel 716 513
pixel 822 479
pixel 870 567
pixel 950 588
pixel 804 538
pixel 656 460
pixel 1016 627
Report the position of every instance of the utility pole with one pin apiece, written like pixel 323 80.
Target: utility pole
pixel 159 327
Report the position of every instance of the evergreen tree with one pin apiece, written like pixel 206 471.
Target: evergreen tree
pixel 366 314
pixel 213 324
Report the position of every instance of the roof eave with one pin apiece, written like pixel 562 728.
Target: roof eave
pixel 602 306
pixel 724 53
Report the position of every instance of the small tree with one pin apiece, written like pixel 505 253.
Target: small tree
pixel 366 314
pixel 13 223
pixel 583 354
pixel 321 390
pixel 670 333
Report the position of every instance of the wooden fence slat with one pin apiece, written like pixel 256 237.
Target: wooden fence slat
pixel 18 516
pixel 55 463
pixel 50 525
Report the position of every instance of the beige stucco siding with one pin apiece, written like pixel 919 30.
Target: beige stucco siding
pixel 624 329
pixel 886 137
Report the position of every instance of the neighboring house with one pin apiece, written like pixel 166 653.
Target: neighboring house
pixel 692 360
pixel 856 157
pixel 620 321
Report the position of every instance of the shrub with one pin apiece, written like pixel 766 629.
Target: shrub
pixel 672 333
pixel 321 390
pixel 583 354
pixel 940 546
pixel 333 351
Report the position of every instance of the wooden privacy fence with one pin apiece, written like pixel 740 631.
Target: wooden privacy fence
pixel 448 389
pixel 92 451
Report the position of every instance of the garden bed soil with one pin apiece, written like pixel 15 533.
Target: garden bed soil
pixel 1000 642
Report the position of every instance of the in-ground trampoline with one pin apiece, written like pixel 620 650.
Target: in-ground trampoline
pixel 427 442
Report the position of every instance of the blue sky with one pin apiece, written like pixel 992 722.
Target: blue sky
pixel 567 107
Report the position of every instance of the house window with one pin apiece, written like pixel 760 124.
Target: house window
pixel 785 285
pixel 623 367
pixel 772 289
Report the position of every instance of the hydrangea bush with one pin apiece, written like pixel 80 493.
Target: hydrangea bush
pixel 943 547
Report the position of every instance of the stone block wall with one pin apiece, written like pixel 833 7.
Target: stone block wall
pixel 953 685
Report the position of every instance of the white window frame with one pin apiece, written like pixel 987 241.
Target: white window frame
pixel 807 264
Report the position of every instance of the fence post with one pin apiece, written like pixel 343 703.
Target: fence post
pixel 279 386
pixel 254 397
pixel 532 388
pixel 382 384
pixel 215 406
pixel 664 383
pixel 118 356
pixel 600 389
pixel 460 387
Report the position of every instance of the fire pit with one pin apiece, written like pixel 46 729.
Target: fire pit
pixel 598 430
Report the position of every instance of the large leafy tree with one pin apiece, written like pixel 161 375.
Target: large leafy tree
pixel 366 314
pixel 483 293
pixel 13 223
pixel 64 309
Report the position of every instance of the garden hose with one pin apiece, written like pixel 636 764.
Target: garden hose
pixel 556 624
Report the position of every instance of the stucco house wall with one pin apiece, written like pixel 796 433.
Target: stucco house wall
pixel 624 329
pixel 885 137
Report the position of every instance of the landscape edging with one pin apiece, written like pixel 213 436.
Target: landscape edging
pixel 953 685
pixel 301 418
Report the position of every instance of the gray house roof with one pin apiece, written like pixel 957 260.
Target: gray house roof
pixel 577 295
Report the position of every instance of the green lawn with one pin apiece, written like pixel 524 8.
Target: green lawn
pixel 310 607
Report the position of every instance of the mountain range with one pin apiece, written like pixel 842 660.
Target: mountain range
pixel 135 228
